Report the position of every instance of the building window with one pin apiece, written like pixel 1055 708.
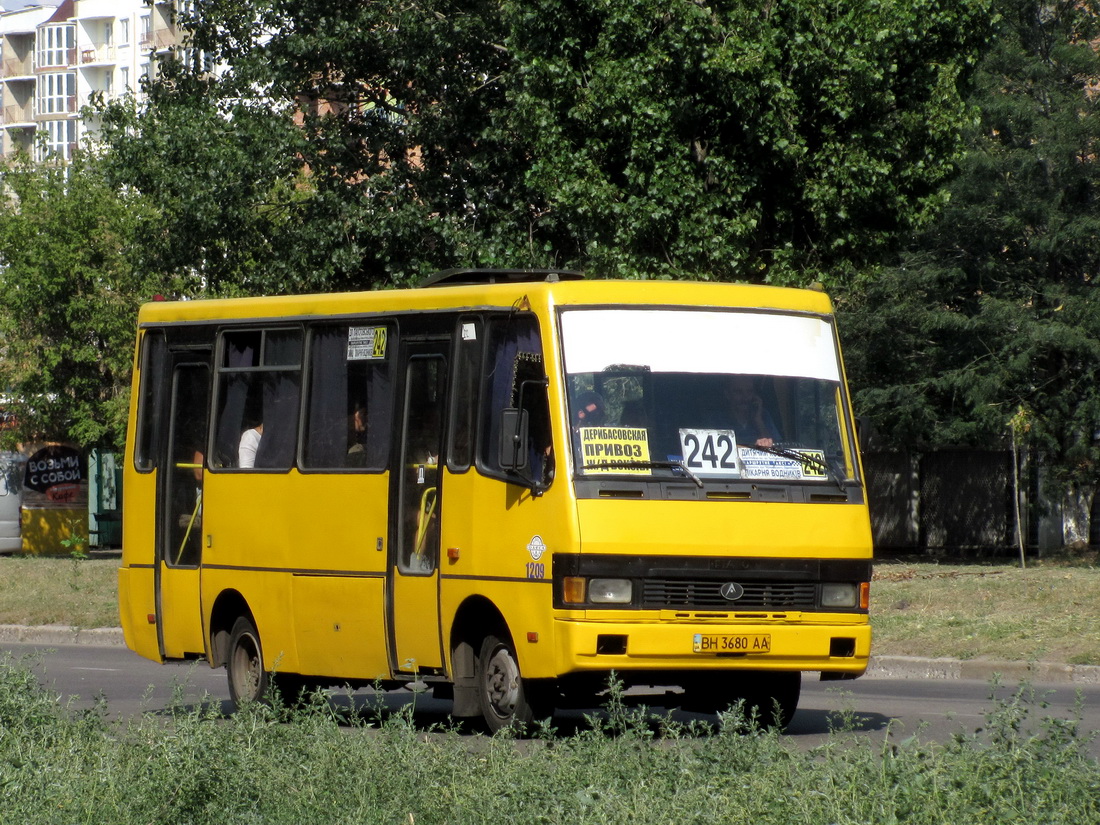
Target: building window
pixel 60 140
pixel 124 78
pixel 56 93
pixel 124 31
pixel 56 45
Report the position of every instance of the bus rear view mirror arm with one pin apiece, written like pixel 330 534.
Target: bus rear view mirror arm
pixel 513 439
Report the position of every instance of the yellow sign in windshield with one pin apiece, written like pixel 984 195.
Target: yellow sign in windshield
pixel 614 449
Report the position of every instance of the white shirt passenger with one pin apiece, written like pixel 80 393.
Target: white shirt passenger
pixel 250 443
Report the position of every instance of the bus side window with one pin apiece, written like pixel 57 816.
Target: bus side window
pixel 515 375
pixel 259 388
pixel 349 413
pixel 468 348
pixel 151 398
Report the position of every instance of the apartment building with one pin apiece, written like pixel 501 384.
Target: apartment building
pixel 55 55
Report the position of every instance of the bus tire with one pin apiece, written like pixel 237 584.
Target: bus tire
pixel 507 700
pixel 772 698
pixel 293 690
pixel 248 681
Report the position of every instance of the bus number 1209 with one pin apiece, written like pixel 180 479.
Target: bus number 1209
pixel 536 570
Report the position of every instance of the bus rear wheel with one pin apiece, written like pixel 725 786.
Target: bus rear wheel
pixel 506 699
pixel 248 681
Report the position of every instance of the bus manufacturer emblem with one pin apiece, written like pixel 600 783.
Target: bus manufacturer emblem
pixel 536 547
pixel 731 591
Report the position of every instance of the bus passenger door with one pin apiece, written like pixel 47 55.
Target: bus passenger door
pixel 179 514
pixel 414 550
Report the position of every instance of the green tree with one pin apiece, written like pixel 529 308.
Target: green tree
pixel 68 301
pixel 785 141
pixel 781 141
pixel 225 174
pixel 993 315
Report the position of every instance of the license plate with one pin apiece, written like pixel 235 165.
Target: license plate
pixel 732 643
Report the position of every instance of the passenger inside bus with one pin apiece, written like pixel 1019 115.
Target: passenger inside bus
pixel 590 410
pixel 249 446
pixel 357 436
pixel 749 416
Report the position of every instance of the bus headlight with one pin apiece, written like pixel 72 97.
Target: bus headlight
pixel 610 591
pixel 838 595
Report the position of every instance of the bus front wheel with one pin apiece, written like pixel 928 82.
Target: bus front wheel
pixel 506 699
pixel 244 666
pixel 771 698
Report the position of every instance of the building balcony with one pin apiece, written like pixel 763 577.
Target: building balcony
pixel 97 54
pixel 18 115
pixel 18 67
pixel 159 39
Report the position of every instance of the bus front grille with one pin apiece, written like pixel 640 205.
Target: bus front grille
pixel 681 593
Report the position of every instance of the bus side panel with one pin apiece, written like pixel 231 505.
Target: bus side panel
pixel 136 604
pixel 339 591
pixel 249 526
pixel 136 578
pixel 303 551
pixel 506 540
pixel 339 631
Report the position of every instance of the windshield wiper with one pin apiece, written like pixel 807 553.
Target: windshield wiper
pixel 637 464
pixel 810 461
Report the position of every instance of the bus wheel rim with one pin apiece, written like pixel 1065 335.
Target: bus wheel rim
pixel 502 683
pixel 246 671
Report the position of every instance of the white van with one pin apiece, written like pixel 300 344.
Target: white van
pixel 11 497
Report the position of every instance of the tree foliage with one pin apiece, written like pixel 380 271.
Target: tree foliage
pixel 68 301
pixel 353 145
pixel 993 317
pixel 223 174
pixel 785 141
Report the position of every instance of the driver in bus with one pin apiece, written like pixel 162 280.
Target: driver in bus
pixel 752 424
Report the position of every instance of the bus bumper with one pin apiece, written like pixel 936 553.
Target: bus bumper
pixel 840 645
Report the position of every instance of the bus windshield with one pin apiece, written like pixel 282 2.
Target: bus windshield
pixel 707 394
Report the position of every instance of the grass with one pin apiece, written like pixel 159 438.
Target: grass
pixel 271 765
pixel 966 611
pixel 992 611
pixel 68 591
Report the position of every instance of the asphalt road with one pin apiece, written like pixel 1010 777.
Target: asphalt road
pixel 876 708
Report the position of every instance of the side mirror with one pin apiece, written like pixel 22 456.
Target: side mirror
pixel 513 439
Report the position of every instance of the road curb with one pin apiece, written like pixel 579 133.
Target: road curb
pixel 915 667
pixel 881 667
pixel 56 634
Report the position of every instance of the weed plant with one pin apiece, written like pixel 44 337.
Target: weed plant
pixel 318 763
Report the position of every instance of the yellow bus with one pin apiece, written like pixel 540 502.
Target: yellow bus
pixel 504 484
